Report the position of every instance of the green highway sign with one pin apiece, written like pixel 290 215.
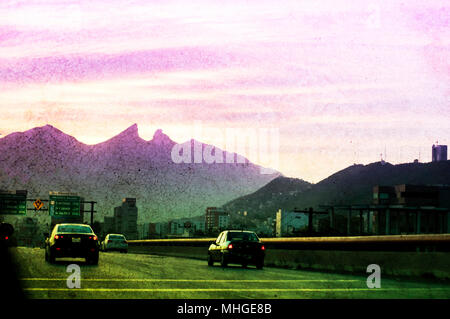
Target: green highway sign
pixel 64 205
pixel 13 204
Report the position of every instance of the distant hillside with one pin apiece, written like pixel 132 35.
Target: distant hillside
pixel 352 185
pixel 277 193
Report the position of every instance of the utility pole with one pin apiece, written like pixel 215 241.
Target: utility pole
pixel 310 221
pixel 92 211
pixel 245 219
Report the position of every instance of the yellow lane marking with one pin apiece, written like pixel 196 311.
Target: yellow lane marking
pixel 224 289
pixel 190 280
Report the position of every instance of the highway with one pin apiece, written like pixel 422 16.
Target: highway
pixel 150 276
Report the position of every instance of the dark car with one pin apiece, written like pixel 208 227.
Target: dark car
pixel 239 247
pixel 6 231
pixel 72 240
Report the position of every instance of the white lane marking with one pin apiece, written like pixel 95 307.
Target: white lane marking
pixel 193 280
pixel 226 289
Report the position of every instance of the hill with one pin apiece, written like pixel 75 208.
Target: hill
pixel 277 193
pixel 352 185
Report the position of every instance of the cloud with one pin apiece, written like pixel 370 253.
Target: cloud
pixel 56 69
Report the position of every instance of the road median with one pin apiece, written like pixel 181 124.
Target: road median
pixel 421 256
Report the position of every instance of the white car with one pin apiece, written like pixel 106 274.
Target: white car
pixel 115 242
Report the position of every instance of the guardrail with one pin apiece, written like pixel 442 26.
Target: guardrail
pixel 364 239
pixel 427 242
pixel 398 255
pixel 174 241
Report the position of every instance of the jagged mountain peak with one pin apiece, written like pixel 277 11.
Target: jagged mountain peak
pixel 123 166
pixel 41 135
pixel 130 132
pixel 46 130
pixel 159 138
pixel 129 136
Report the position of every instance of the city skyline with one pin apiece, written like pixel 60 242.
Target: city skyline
pixel 341 81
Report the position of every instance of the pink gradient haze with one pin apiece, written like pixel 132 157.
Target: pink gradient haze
pixel 341 80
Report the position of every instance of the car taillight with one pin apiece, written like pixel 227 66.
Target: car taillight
pixel 59 237
pixel 263 247
pixel 93 237
pixel 56 237
pixel 230 246
pixel 6 237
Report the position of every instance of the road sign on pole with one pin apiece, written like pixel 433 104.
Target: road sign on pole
pixel 64 205
pixel 13 203
pixel 38 204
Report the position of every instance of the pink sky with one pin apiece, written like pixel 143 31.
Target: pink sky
pixel 340 80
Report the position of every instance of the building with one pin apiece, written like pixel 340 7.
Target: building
pixel 266 228
pixel 199 225
pixel 409 209
pixel 187 227
pixel 216 219
pixel 383 195
pixel 125 218
pixel 439 153
pixel 411 195
pixel 108 226
pixel 180 227
pixel 158 230
pixel 288 223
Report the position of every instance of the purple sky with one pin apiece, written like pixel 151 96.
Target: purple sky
pixel 339 80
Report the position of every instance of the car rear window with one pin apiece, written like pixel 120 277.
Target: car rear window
pixel 116 237
pixel 242 236
pixel 74 229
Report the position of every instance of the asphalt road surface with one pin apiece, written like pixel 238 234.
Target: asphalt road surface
pixel 150 276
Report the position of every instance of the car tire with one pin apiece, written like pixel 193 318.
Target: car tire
pixel 93 260
pixel 210 260
pixel 51 257
pixel 224 261
pixel 260 264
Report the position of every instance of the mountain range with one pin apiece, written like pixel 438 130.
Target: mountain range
pixel 45 159
pixel 352 185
